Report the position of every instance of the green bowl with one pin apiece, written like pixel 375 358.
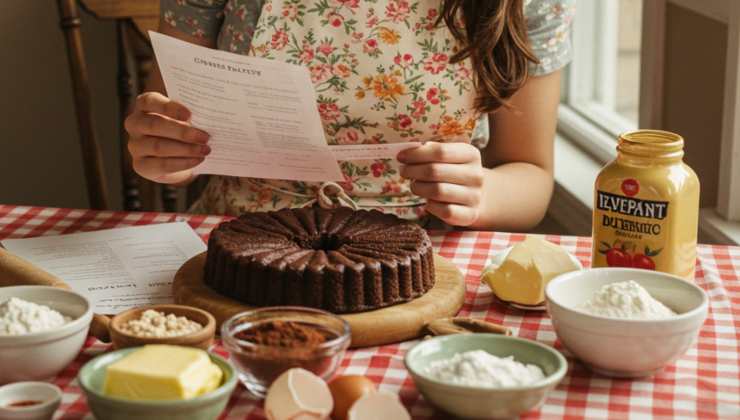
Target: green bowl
pixel 204 407
pixel 478 402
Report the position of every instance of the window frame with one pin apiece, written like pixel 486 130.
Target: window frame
pixel 728 200
pixel 589 85
pixel 725 216
pixel 588 127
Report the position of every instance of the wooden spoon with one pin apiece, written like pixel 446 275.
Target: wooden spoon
pixel 462 325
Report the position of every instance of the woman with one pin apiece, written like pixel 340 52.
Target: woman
pixel 387 71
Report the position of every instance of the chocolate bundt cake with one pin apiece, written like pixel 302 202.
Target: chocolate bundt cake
pixel 340 260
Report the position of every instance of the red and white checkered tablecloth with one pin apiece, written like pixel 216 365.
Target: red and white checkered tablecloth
pixel 704 383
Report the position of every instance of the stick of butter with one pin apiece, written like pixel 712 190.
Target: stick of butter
pixel 162 372
pixel 527 269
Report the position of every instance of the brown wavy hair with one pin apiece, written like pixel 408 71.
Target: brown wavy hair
pixel 493 34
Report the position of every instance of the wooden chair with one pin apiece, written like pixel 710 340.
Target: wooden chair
pixel 133 19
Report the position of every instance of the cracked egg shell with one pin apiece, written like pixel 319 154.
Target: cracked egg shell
pixel 298 394
pixel 378 405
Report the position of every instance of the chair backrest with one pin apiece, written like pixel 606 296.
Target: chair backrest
pixel 91 157
pixel 133 20
pixel 143 13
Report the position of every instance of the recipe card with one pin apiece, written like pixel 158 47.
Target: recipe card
pixel 371 151
pixel 116 269
pixel 261 114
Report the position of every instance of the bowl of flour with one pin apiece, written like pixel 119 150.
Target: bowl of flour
pixel 485 375
pixel 42 329
pixel 625 322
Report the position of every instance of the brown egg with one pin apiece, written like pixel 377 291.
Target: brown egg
pixel 346 390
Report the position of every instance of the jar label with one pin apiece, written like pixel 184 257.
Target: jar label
pixel 632 206
pixel 630 187
pixel 631 229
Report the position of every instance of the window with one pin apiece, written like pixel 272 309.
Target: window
pixel 601 87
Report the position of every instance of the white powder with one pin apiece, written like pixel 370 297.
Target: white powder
pixel 18 316
pixel 480 368
pixel 626 300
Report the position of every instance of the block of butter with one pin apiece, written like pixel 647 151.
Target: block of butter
pixel 162 372
pixel 522 276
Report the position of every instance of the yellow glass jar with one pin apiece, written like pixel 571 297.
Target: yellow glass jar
pixel 646 206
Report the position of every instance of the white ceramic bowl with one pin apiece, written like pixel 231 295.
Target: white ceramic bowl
pixel 49 397
pixel 42 355
pixel 625 347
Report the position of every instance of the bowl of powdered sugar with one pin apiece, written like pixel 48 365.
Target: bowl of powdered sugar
pixel 484 375
pixel 42 329
pixel 625 322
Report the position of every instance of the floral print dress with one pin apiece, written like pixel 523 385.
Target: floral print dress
pixel 382 73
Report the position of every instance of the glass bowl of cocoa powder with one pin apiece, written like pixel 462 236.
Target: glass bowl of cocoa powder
pixel 266 342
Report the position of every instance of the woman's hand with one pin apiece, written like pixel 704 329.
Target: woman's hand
pixel 164 146
pixel 450 176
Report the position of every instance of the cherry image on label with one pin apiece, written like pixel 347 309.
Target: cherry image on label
pixel 630 187
pixel 643 261
pixel 625 254
pixel 618 258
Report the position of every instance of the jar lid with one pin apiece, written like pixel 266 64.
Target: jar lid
pixel 651 143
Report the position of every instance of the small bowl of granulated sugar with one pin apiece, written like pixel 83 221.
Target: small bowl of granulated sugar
pixel 180 325
pixel 626 322
pixel 485 375
pixel 42 329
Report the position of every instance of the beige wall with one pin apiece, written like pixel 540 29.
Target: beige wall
pixel 40 160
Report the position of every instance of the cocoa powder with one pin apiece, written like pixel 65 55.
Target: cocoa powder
pixel 288 334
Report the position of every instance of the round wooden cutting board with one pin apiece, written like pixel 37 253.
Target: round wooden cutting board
pixel 373 328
